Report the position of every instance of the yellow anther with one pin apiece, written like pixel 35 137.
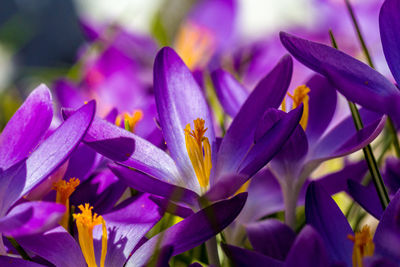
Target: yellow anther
pixel 199 151
pixel 85 222
pixel 244 187
pixel 363 246
pixel 299 96
pixel 195 44
pixel 64 191
pixel 130 121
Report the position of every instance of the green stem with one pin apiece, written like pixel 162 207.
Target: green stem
pixel 368 154
pixel 20 250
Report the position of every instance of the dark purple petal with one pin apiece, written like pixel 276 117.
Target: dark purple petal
pixel 391 175
pixel 16 262
pixel 231 94
pixel 58 146
pixel 376 261
pixel 120 145
pixel 82 163
pixel 322 106
pixel 193 230
pixel 324 215
pixel 57 246
pixel 145 183
pixel 170 207
pixel 270 143
pixel 179 101
pixel 367 197
pixel 248 258
pixel 32 217
pixel 240 135
pixel 126 225
pixel 307 250
pixel 271 238
pixel 226 186
pixel 389 26
pixel 387 235
pixel 26 128
pixel 354 79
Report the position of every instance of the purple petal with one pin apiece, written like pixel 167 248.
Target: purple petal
pixel 307 250
pixel 231 94
pixel 240 135
pixel 179 101
pixel 226 186
pixel 324 215
pixel 193 230
pixel 26 128
pixel 120 145
pixel 389 26
pixel 322 106
pixel 32 217
pixel 170 207
pixel 68 94
pixel 16 262
pixel 271 238
pixel 387 235
pixel 248 258
pixel 392 174
pixel 57 246
pixel 354 79
pixel 145 183
pixel 126 225
pixel 58 146
pixel 367 197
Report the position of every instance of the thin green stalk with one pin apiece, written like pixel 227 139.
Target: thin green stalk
pixel 364 47
pixel 20 250
pixel 368 154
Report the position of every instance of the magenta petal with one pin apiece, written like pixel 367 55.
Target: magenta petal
pixel 58 146
pixel 231 94
pixel 240 135
pixel 68 94
pixel 57 246
pixel 37 217
pixel 26 128
pixel 179 102
pixel 193 230
pixel 389 26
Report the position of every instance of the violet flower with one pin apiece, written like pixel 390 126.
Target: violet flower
pixel 26 160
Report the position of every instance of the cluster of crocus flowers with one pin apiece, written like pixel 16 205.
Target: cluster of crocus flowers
pixel 157 172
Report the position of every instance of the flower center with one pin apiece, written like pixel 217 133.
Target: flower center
pixel 199 151
pixel 64 191
pixel 299 96
pixel 195 44
pixel 85 222
pixel 363 246
pixel 130 121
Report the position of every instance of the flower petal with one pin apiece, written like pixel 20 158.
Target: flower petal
pixel 26 128
pixel 389 25
pixel 231 94
pixel 180 101
pixel 16 262
pixel 193 230
pixel 240 135
pixel 367 197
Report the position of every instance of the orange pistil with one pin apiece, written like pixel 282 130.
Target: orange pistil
pixel 130 121
pixel 64 191
pixel 300 96
pixel 363 246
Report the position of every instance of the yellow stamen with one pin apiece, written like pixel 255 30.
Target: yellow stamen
pixel 363 246
pixel 299 96
pixel 196 144
pixel 85 222
pixel 130 122
pixel 244 187
pixel 195 44
pixel 64 191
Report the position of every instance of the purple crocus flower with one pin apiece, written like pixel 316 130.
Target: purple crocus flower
pixel 318 140
pixel 26 159
pixel 180 101
pixel 354 79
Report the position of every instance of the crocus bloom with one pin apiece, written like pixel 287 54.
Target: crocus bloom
pixel 27 160
pixel 180 101
pixel 314 142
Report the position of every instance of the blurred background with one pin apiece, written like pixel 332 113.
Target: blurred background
pixel 44 40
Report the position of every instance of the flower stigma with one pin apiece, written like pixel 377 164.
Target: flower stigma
pixel 199 151
pixel 195 44
pixel 300 95
pixel 130 121
pixel 85 222
pixel 64 191
pixel 363 246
